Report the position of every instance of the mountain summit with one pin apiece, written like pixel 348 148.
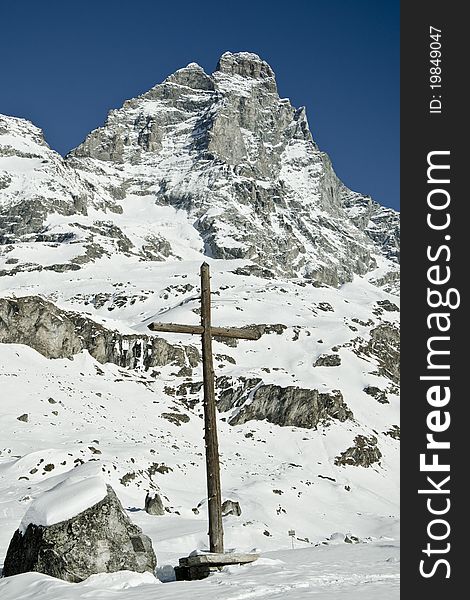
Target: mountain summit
pixel 235 160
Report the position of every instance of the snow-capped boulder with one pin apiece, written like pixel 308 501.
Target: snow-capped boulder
pixel 75 530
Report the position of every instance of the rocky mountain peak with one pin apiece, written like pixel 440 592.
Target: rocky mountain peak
pixel 236 159
pixel 18 135
pixel 245 64
pixel 192 76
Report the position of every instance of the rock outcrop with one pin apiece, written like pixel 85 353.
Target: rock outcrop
pixel 285 406
pixel 328 360
pixel 384 347
pixel 364 453
pixel 377 393
pixel 101 539
pixel 57 333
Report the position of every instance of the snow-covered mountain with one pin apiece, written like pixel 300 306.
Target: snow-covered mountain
pixel 224 155
pixel 97 245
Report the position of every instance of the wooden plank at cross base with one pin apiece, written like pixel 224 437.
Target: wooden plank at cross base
pixel 218 560
pixel 192 568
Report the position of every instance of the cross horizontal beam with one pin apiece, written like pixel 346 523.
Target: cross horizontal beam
pixel 230 332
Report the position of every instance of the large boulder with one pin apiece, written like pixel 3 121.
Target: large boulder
pixel 100 539
pixel 154 504
pixel 231 507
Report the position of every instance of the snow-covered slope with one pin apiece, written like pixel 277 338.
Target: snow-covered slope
pixel 97 246
pixel 333 572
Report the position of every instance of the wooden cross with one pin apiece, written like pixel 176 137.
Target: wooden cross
pixel 216 532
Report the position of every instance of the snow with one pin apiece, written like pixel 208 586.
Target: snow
pixel 347 571
pixel 79 491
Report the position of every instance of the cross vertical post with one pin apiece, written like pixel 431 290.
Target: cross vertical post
pixel 216 533
pixel 207 332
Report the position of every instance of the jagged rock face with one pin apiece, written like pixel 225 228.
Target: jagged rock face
pixel 285 406
pixel 101 539
pixel 34 182
pixel 379 223
pixel 245 64
pixel 46 203
pixel 393 432
pixel 225 149
pixel 56 333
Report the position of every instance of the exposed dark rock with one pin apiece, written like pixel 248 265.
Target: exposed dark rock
pixel 175 418
pixel 328 478
pixel 285 406
pixel 328 360
pixel 127 478
pixel 57 333
pixel 384 346
pixel 189 388
pixel 225 358
pixel 256 271
pixel 351 539
pixel 156 468
pixel 278 328
pixel 185 371
pixel 364 453
pixel 101 539
pixel 231 507
pixel 24 418
pixel 154 504
pixel 393 432
pixel 377 393
pixel 325 306
pixel 388 306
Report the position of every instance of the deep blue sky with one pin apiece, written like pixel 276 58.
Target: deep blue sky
pixel 65 63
